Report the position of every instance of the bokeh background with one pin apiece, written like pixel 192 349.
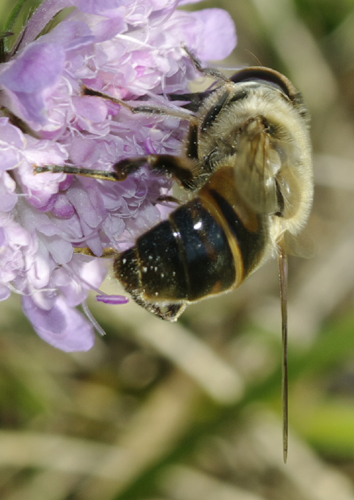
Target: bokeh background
pixel 192 411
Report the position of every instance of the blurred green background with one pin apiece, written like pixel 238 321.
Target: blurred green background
pixel 192 411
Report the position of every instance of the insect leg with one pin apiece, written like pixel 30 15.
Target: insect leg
pixel 151 110
pixel 192 142
pixel 183 170
pixel 108 253
pixel 283 276
pixel 104 175
pixel 171 312
pixel 167 199
pixel 214 73
pixel 194 99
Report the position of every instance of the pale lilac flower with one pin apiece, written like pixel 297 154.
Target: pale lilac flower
pixel 128 49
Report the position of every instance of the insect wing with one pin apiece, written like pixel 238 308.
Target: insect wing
pixel 256 166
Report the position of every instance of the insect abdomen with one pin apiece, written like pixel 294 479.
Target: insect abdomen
pixel 184 258
pixel 207 246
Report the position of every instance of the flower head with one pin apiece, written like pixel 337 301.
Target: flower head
pixel 125 48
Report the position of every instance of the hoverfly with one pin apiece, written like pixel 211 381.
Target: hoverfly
pixel 247 162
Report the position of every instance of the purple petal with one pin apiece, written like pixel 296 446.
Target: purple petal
pixel 100 7
pixel 10 134
pixel 80 199
pixel 11 144
pixel 40 268
pixel 91 108
pixel 41 17
pixel 63 208
pixel 33 106
pixel 84 152
pixel 4 292
pixel 62 327
pixel 2 237
pixel 219 34
pixel 38 67
pixel 70 35
pixel 59 249
pixel 94 270
pixel 69 282
pixel 8 198
pixel 107 29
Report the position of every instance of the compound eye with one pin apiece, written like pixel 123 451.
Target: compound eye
pixel 266 75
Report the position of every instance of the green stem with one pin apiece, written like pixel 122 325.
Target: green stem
pixel 14 15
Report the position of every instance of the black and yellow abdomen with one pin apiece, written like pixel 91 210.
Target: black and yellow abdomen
pixel 204 248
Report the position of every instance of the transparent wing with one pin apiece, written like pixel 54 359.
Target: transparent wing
pixel 256 166
pixel 301 245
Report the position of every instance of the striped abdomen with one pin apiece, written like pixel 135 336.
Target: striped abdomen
pixel 204 248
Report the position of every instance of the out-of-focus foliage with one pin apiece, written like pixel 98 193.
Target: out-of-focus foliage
pixel 193 411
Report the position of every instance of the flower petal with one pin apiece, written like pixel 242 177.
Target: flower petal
pixel 37 69
pixel 219 34
pixel 63 327
pixel 40 18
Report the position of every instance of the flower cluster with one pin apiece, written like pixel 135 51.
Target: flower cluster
pixel 124 48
